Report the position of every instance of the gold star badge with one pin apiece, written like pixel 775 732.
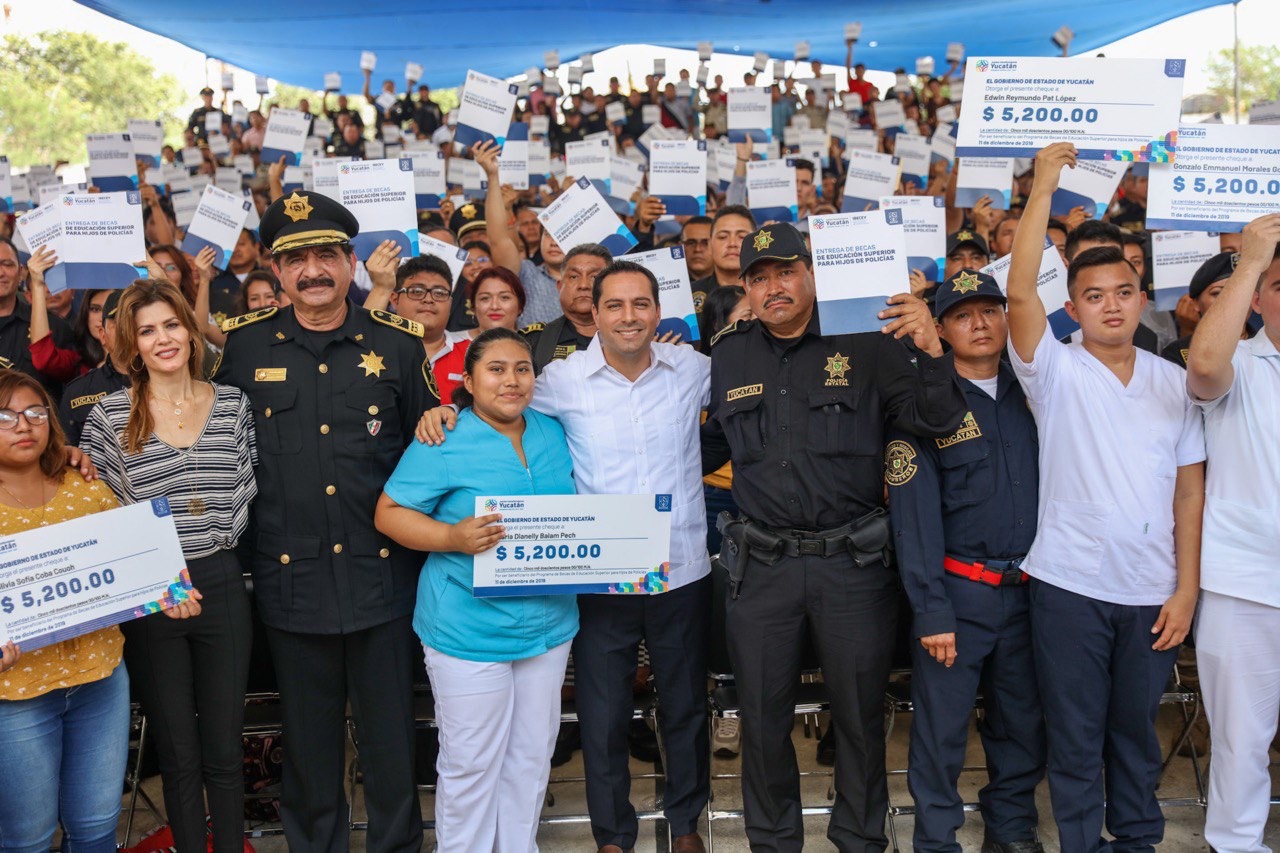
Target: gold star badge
pixel 763 241
pixel 966 283
pixel 837 366
pixel 297 207
pixel 468 211
pixel 963 236
pixel 372 364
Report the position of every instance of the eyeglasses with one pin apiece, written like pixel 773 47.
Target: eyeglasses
pixel 697 244
pixel 35 415
pixel 480 260
pixel 169 267
pixel 417 294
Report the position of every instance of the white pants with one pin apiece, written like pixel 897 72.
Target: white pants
pixel 1238 654
pixel 498 725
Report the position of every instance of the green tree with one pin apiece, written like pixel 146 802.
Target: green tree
pixel 57 87
pixel 1259 74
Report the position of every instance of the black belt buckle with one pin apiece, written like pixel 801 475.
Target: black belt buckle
pixel 810 547
pixel 1010 570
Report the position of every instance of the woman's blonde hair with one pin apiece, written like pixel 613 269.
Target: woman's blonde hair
pixel 137 296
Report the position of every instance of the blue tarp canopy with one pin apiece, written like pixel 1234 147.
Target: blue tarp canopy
pixel 298 42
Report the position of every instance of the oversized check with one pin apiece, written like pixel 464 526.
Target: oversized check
pixel 1226 175
pixel 71 578
pixel 1110 109
pixel 565 544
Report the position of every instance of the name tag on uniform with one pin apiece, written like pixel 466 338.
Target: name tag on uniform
pixel 968 430
pixel 270 374
pixel 87 400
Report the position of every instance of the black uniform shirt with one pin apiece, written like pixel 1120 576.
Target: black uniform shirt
pixel 803 420
pixel 972 495
pixel 333 411
pixel 81 393
pixel 15 343
pixel 553 341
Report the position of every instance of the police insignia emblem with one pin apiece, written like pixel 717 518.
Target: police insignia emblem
pixel 297 207
pixel 762 241
pixel 966 283
pixel 898 465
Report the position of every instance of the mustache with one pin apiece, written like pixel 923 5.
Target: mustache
pixel 308 283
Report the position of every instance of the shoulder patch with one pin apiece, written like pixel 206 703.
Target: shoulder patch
pixel 899 466
pixel 729 330
pixel 968 430
pixel 1186 356
pixel 395 321
pixel 232 323
pixel 430 377
pixel 87 400
pixel 533 327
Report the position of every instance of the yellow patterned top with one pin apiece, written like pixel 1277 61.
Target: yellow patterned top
pixel 82 659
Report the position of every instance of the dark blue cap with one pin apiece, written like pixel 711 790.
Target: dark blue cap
pixel 965 285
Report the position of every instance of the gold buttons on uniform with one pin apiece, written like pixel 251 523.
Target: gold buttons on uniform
pixel 373 410
pixel 324 429
pixel 324 368
pixel 337 549
pixel 284 559
pixel 384 553
pixel 329 490
pixel 267 411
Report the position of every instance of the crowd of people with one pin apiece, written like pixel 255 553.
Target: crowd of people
pixel 1035 520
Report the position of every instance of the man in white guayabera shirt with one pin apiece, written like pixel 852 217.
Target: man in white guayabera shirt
pixel 1114 566
pixel 1237 384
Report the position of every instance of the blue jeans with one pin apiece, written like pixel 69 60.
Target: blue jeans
pixel 64 756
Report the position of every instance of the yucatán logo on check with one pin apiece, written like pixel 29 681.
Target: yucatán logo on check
pixel 7 545
pixel 492 505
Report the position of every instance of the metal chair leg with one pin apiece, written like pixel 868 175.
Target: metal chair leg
pixel 137 777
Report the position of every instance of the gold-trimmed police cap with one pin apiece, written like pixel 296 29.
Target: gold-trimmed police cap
pixel 304 219
pixel 779 241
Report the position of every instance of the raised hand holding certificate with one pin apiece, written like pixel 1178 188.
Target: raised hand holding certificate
pixel 286 137
pixel 513 164
pixel 569 544
pixel 69 579
pixel 674 293
pixel 859 260
pixel 750 113
pixel 678 175
pixel 380 195
pixel 1226 176
pixel 581 215
pixel 100 237
pixel 1111 109
pixel 485 111
pixel 1175 257
pixel 217 223
pixel 1090 185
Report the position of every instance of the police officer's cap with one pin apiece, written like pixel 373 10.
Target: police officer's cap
pixel 777 242
pixel 1216 269
pixel 306 219
pixel 468 217
pixel 113 302
pixel 964 237
pixel 206 91
pixel 963 286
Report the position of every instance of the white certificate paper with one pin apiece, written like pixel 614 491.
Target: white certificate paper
pixel 569 544
pixel 217 222
pixel 675 296
pixel 428 178
pixel 771 190
pixel 98 237
pixel 1111 109
pixel 914 156
pixel 924 224
pixel 678 175
pixel 82 575
pixel 1175 257
pixel 380 194
pixel 859 260
pixel 1051 281
pixel 112 162
pixel 485 111
pixel 286 137
pixel 750 113
pixel 1090 185
pixel 147 138
pixel 870 177
pixel 589 159
pixel 1226 175
pixel 989 176
pixel 581 215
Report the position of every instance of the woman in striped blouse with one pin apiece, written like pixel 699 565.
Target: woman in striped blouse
pixel 172 434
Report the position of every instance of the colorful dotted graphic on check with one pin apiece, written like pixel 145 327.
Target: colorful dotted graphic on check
pixel 1158 151
pixel 178 592
pixel 655 581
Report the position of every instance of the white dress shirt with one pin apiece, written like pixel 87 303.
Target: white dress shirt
pixel 1109 458
pixel 634 438
pixel 1242 487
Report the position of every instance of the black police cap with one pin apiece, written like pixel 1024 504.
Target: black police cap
pixel 467 217
pixel 1216 269
pixel 777 242
pixel 963 286
pixel 113 302
pixel 306 219
pixel 964 236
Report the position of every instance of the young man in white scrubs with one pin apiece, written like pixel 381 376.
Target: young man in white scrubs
pixel 1114 566
pixel 1237 384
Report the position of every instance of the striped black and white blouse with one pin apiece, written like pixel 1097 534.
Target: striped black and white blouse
pixel 217 470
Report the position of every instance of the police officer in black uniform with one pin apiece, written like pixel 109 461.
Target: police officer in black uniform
pixel 964 515
pixel 336 391
pixel 575 329
pixel 802 417
pixel 1206 284
pixel 15 321
pixel 81 393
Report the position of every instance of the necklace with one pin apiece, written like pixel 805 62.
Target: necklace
pixel 195 504
pixel 27 506
pixel 177 405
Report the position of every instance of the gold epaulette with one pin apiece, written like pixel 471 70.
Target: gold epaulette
pixel 232 323
pixel 533 327
pixel 728 330
pixel 395 321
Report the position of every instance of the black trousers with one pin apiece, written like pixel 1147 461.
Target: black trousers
pixel 851 614
pixel 674 628
pixel 190 676
pixel 318 674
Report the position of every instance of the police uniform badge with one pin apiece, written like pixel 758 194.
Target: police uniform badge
pixel 297 207
pixel 763 241
pixel 966 283
pixel 899 464
pixel 837 367
pixel 373 366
